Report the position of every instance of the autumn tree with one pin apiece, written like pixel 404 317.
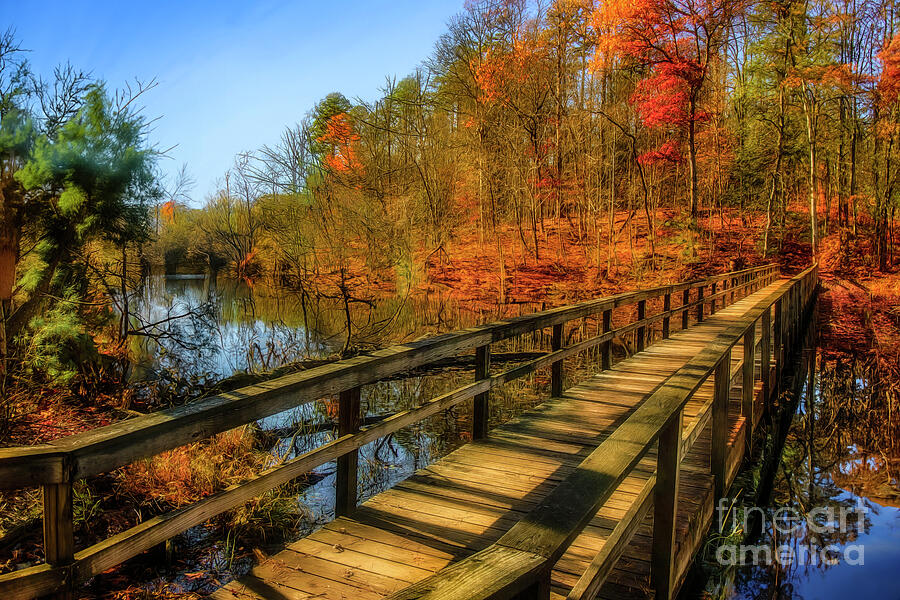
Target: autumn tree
pixel 677 41
pixel 887 167
pixel 232 220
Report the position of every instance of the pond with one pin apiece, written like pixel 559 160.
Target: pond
pixel 209 326
pixel 819 516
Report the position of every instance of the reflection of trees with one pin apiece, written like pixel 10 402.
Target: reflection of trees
pixel 236 326
pixel 871 467
pixel 842 444
pixel 177 320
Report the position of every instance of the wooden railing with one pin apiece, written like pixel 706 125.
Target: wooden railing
pixel 520 562
pixel 55 466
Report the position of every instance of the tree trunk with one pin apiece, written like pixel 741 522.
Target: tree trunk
pixel 811 137
pixel 692 151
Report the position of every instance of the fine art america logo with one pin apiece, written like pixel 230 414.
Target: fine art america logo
pixel 845 521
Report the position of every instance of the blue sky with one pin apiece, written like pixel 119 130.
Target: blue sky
pixel 231 74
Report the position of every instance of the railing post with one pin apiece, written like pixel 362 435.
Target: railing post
pixel 778 344
pixel 795 317
pixel 765 349
pixel 747 384
pixel 59 536
pixel 665 507
pixel 642 331
pixel 721 392
pixel 481 404
pixel 556 368
pixel 685 300
pixel 712 296
pixel 346 478
pixel 606 348
pixel 539 590
pixel 788 318
pixel 700 304
pixel 667 308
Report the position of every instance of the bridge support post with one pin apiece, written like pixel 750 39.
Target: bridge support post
pixel 481 406
pixel 539 590
pixel 346 477
pixel 700 304
pixel 721 392
pixel 665 508
pixel 667 308
pixel 59 537
pixel 556 369
pixel 778 344
pixel 765 349
pixel 685 300
pixel 606 348
pixel 642 330
pixel 747 383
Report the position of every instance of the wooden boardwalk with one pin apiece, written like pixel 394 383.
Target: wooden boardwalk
pixel 465 501
pixel 569 500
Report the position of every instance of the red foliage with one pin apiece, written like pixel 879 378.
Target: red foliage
pixel 669 152
pixel 669 37
pixel 663 98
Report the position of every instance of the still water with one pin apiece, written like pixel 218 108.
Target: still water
pixel 209 327
pixel 829 518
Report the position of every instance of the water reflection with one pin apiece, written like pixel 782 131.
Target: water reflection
pixel 838 470
pixel 209 327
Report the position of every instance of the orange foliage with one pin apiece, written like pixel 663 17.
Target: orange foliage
pixel 889 84
pixel 468 272
pixel 168 212
pixel 611 23
pixel 497 70
pixel 246 261
pixel 344 141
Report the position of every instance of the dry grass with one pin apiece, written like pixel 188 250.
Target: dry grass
pixel 188 473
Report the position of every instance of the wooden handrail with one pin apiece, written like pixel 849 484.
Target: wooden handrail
pixel 58 464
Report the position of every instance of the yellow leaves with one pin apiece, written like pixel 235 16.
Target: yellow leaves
pixel 886 129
